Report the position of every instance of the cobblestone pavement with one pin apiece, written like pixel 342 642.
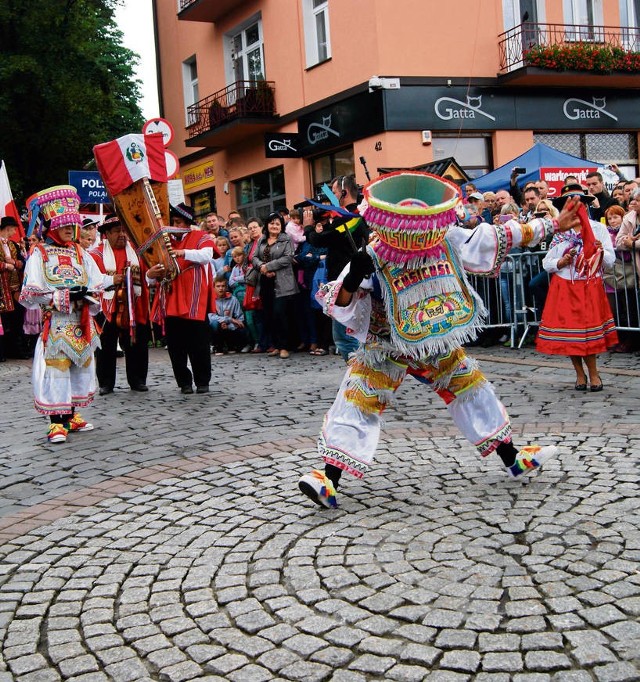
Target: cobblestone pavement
pixel 171 543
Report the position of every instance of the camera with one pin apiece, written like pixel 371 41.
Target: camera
pixel 518 170
pixel 319 215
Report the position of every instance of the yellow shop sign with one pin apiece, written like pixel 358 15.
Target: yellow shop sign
pixel 196 176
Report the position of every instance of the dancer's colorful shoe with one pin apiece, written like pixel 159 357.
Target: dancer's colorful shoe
pixel 77 423
pixel 57 433
pixel 317 487
pixel 530 458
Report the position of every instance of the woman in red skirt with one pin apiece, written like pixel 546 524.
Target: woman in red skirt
pixel 577 320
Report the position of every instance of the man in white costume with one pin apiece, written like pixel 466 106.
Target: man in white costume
pixel 407 299
pixel 62 280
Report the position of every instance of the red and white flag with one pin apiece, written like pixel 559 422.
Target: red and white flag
pixel 7 204
pixel 129 158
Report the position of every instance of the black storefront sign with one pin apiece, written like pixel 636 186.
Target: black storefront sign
pixel 488 108
pixel 282 145
pixel 359 116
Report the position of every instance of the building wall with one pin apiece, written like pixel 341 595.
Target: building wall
pixel 428 41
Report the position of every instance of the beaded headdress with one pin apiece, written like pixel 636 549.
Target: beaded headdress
pixel 57 206
pixel 410 212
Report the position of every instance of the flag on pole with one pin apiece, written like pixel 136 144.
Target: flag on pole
pixel 7 204
pixel 130 158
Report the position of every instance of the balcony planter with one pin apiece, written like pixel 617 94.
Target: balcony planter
pixel 583 57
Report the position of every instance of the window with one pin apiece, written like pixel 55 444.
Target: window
pixel 316 31
pixel 190 84
pixel 260 194
pixel 585 14
pixel 620 148
pixel 325 168
pixel 471 153
pixel 245 52
pixel 630 22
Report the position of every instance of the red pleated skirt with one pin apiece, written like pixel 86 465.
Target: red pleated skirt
pixel 577 319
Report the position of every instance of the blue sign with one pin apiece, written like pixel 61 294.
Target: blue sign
pixel 89 186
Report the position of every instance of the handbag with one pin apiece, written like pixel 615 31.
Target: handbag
pixel 251 276
pixel 622 276
pixel 251 300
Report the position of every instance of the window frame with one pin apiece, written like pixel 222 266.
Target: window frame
pixel 310 14
pixel 190 88
pixel 230 57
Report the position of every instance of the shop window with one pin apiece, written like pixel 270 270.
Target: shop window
pixel 604 148
pixel 190 84
pixel 316 31
pixel 473 154
pixel 260 194
pixel 325 168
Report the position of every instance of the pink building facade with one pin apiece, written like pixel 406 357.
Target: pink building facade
pixel 271 98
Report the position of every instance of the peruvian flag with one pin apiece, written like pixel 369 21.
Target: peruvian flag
pixel 7 204
pixel 129 158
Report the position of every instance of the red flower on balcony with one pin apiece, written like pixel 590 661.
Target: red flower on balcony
pixel 582 57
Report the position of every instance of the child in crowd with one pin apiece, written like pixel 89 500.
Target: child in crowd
pixel 219 263
pixel 227 323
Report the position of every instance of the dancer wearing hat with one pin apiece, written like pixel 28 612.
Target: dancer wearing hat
pixel 125 307
pixel 184 309
pixel 62 280
pixel 407 299
pixel 577 320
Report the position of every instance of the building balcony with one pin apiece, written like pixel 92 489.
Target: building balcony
pixel 570 55
pixel 238 111
pixel 206 10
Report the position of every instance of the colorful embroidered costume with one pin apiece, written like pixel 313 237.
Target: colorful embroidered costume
pixel 58 277
pixel 412 317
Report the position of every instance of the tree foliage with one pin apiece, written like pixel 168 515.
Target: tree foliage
pixel 67 83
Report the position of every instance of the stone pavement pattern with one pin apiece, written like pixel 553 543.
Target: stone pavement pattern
pixel 171 542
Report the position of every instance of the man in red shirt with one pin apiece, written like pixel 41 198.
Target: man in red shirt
pixel 186 301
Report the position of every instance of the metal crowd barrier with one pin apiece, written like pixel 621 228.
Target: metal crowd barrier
pixel 513 305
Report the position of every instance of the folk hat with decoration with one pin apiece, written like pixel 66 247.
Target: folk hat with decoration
pixel 111 220
pixel 410 212
pixel 54 207
pixel 573 190
pixel 183 211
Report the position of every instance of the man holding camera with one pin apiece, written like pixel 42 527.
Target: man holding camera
pixel 342 237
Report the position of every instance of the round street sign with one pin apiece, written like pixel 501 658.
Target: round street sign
pixel 172 162
pixel 159 125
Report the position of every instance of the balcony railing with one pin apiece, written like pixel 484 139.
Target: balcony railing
pixel 514 44
pixel 240 100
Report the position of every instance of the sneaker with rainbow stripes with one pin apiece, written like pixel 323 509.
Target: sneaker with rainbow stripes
pixel 530 458
pixel 317 487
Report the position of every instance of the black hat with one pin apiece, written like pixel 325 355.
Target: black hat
pixel 183 211
pixel 89 222
pixel 111 220
pixel 572 191
pixel 8 221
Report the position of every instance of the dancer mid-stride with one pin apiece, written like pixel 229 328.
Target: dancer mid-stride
pixel 407 299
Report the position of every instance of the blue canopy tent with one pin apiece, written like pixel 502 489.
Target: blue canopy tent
pixel 539 156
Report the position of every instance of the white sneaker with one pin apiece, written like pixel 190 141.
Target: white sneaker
pixel 317 487
pixel 246 349
pixel 530 458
